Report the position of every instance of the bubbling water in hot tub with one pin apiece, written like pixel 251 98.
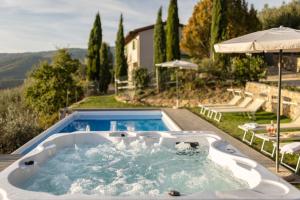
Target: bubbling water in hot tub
pixel 131 168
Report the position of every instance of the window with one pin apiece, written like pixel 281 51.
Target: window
pixel 133 45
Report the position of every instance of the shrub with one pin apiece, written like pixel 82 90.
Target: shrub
pixel 214 69
pixel 141 78
pixel 250 68
pixel 18 123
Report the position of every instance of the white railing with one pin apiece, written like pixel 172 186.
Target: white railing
pixel 123 85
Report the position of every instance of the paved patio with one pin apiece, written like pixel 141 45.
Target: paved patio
pixel 7 159
pixel 187 120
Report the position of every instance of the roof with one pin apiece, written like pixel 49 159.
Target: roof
pixel 135 32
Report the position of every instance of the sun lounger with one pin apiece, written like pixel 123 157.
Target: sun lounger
pixel 250 109
pixel 286 147
pixel 257 127
pixel 292 125
pixel 284 136
pixel 245 102
pixel 236 98
pixel 290 148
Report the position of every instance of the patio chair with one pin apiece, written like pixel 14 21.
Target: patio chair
pixel 250 110
pixel 236 98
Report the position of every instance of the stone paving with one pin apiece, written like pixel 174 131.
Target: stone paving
pixel 7 159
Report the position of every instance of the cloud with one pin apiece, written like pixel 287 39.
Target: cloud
pixel 35 25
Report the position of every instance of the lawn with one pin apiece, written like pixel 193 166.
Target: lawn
pixel 105 101
pixel 230 122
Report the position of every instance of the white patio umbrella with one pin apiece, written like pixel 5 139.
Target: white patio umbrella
pixel 275 40
pixel 178 64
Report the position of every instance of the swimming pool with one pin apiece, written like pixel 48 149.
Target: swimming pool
pixel 139 165
pixel 116 125
pixel 105 120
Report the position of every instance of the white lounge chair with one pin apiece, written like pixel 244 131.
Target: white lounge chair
pixel 236 98
pixel 253 127
pixel 290 148
pixel 284 136
pixel 250 109
pixel 245 102
pixel 285 148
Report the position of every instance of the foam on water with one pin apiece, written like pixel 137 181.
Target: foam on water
pixel 130 169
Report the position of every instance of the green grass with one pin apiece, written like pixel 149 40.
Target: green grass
pixel 230 122
pixel 105 101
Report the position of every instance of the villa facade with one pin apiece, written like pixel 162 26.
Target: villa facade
pixel 139 49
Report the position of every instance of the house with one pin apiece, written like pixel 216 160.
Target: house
pixel 139 49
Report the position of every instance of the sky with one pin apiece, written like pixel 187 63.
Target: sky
pixel 40 25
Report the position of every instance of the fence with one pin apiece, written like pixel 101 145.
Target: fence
pixel 123 85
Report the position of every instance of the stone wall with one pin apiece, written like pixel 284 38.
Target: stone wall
pixel 290 100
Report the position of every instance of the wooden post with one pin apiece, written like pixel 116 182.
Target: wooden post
pixel 116 85
pixel 177 89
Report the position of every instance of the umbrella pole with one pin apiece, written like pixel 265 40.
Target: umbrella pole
pixel 177 90
pixel 157 80
pixel 278 111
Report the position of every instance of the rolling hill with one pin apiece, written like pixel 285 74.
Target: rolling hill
pixel 14 67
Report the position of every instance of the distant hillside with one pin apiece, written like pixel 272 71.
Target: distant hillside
pixel 15 66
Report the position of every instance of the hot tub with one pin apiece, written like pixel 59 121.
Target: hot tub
pixel 139 165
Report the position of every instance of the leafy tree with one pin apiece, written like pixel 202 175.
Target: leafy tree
pixel 196 34
pixel 215 20
pixel 219 23
pixel 105 66
pixel 120 59
pixel 287 14
pixel 52 86
pixel 172 32
pixel 94 46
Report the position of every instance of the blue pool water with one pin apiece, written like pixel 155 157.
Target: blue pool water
pixel 116 125
pixel 130 122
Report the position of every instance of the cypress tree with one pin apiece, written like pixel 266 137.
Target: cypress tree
pixel 94 46
pixel 159 45
pixel 120 60
pixel 254 24
pixel 104 73
pixel 219 23
pixel 159 39
pixel 172 36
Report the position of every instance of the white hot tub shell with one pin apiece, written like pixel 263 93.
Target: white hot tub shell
pixel 262 183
